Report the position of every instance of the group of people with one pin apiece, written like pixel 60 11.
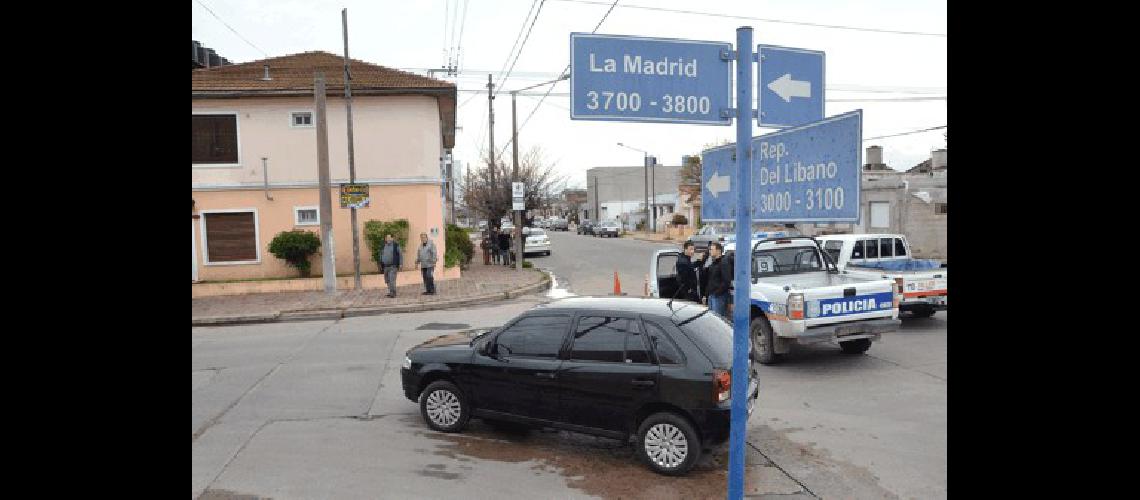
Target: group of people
pixel 705 280
pixel 391 258
pixel 497 247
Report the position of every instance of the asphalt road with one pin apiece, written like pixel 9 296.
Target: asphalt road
pixel 585 265
pixel 315 410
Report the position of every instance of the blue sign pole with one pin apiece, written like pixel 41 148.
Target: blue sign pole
pixel 741 367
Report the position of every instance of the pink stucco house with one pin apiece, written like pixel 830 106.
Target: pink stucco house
pixel 254 167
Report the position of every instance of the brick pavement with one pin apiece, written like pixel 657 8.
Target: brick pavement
pixel 478 280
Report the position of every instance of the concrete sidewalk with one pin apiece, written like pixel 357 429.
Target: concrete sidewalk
pixel 650 237
pixel 479 284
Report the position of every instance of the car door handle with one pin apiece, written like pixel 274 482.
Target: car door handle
pixel 549 375
pixel 643 383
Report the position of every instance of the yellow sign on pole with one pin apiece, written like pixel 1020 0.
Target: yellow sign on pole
pixel 354 196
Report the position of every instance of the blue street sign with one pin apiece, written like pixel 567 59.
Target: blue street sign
pixel 718 184
pixel 790 86
pixel 639 79
pixel 809 173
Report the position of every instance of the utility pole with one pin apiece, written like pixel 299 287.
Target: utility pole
pixel 491 133
pixel 328 254
pixel 451 185
pixel 597 203
pixel 351 154
pixel 515 178
pixel 652 161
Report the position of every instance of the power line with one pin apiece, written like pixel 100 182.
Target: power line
pixel 561 75
pixel 446 19
pixel 465 101
pixel 231 28
pixel 905 133
pixel 519 53
pixel 868 99
pixel 763 20
pixel 517 39
pixel 459 46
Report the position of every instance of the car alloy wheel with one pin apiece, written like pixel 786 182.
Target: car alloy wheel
pixel 666 445
pixel 443 408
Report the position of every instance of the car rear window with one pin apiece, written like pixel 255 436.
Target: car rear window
pixel 712 335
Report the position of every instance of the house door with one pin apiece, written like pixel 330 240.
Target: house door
pixel 194 251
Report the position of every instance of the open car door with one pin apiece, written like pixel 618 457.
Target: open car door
pixel 663 280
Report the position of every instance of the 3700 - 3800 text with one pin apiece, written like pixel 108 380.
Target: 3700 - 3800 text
pixel 621 101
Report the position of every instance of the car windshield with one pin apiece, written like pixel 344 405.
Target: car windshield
pixel 788 260
pixel 712 335
pixel 536 232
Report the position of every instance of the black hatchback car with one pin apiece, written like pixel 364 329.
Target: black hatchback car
pixel 654 370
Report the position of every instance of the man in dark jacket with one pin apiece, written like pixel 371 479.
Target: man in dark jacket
pixel 390 261
pixel 687 274
pixel 720 278
pixel 505 247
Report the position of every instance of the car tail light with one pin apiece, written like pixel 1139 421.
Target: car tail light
pixel 796 306
pixel 722 383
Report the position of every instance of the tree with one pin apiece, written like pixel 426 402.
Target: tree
pixel 494 200
pixel 691 170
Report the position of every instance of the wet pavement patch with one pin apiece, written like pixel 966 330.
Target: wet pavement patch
pixel 598 466
pixel 439 471
pixel 443 326
pixel 212 494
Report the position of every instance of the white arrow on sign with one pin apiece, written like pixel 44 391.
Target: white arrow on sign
pixel 787 88
pixel 718 184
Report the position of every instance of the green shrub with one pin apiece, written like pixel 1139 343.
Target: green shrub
pixel 295 247
pixel 680 220
pixel 459 248
pixel 374 231
pixel 528 264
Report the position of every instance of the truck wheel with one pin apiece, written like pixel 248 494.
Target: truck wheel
pixel 763 341
pixel 858 346
pixel 923 312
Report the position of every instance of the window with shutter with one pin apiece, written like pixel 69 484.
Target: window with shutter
pixel 231 237
pixel 215 139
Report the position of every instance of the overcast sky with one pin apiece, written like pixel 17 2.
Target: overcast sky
pixel 415 35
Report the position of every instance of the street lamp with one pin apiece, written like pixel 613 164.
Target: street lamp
pixel 651 217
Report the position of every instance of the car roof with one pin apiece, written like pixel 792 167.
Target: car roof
pixel 636 305
pixel 847 237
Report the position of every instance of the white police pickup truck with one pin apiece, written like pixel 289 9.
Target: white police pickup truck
pixel 799 297
pixel 888 256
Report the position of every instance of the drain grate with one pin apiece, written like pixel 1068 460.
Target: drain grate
pixel 443 326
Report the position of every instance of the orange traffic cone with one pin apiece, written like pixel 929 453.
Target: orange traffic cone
pixel 617 284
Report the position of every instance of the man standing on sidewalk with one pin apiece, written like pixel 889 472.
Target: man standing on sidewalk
pixel 390 260
pixel 720 276
pixel 505 247
pixel 425 258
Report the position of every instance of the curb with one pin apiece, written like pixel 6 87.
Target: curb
pixel 350 312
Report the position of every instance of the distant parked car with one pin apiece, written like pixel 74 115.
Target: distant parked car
pixel 609 228
pixel 708 234
pixel 536 241
pixel 559 224
pixel 586 227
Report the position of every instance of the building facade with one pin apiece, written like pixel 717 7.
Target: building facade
pixel 254 171
pixel 619 193
pixel 912 203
